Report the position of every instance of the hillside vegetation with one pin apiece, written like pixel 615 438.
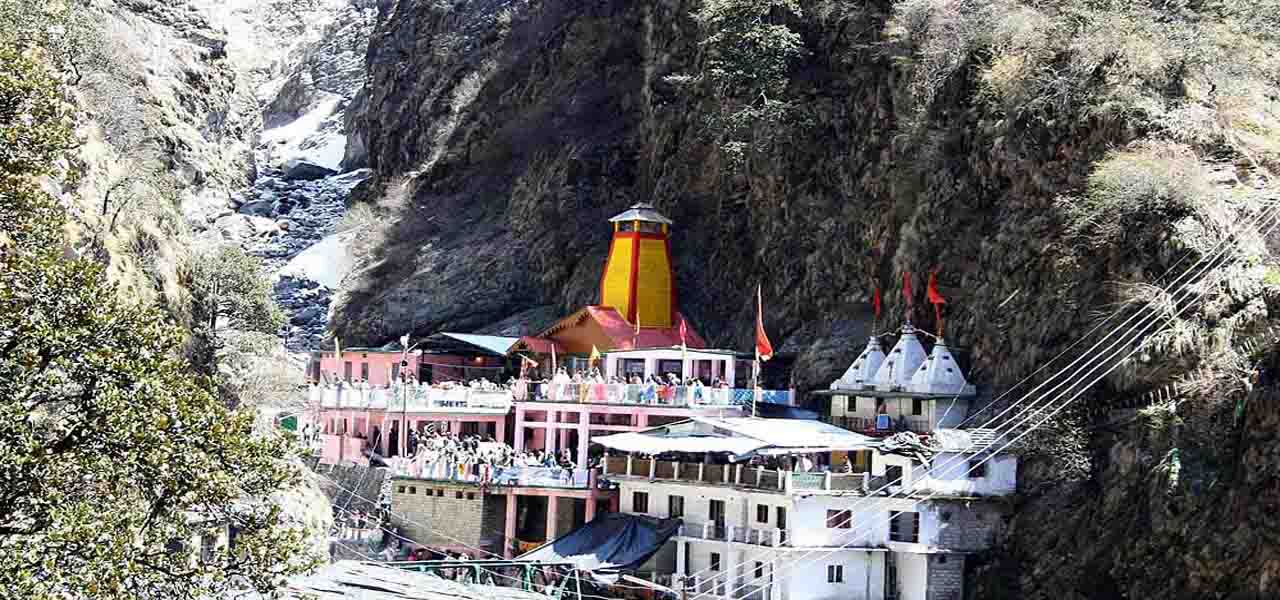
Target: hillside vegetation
pixel 1052 161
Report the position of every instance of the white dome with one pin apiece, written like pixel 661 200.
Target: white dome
pixel 940 374
pixel 862 372
pixel 901 363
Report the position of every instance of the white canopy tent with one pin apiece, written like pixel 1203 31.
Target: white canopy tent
pixel 740 437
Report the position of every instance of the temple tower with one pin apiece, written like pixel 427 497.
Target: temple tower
pixel 639 280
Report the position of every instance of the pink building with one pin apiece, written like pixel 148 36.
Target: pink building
pixel 565 416
pixel 458 357
pixel 357 418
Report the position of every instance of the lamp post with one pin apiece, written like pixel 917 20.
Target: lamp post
pixel 404 401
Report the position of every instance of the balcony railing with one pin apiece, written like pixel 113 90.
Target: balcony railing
pixel 716 585
pixel 478 473
pixel 646 394
pixel 740 475
pixel 879 426
pixel 719 532
pixel 412 397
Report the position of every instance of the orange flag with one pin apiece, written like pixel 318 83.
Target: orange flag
pixel 934 296
pixel 764 350
pixel 875 302
pixel 906 287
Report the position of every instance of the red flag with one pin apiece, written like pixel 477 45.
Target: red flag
pixel 684 331
pixel 764 350
pixel 875 302
pixel 933 295
pixel 906 287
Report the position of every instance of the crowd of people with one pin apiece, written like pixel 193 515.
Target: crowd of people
pixel 446 454
pixel 594 386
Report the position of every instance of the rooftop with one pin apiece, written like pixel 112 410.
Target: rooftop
pixel 367 581
pixel 740 436
pixel 641 211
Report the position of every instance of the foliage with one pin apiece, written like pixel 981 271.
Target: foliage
pixel 1143 186
pixel 1200 73
pixel 229 292
pixel 750 51
pixel 114 459
pixel 61 29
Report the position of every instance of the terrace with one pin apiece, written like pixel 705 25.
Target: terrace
pixel 413 397
pixel 742 476
pixel 671 396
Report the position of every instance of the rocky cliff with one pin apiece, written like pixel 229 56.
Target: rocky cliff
pixel 1050 174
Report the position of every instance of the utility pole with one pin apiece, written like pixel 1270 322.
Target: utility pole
pixel 404 401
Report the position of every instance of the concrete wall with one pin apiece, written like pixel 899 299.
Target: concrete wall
pixel 863 576
pixel 946 577
pixel 869 525
pixel 740 505
pixel 951 475
pixel 913 575
pixel 431 513
pixel 960 526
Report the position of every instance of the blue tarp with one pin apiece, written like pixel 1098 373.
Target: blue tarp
pixel 611 542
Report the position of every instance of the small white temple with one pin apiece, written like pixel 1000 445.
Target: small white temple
pixel 901 363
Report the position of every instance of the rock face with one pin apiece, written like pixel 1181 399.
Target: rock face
pixel 503 134
pixel 301 170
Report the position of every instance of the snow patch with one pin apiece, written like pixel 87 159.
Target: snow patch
pixel 315 137
pixel 327 262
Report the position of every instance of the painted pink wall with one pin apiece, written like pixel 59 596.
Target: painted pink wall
pixel 380 364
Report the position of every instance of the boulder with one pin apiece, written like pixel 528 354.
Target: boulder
pixel 257 208
pixel 301 170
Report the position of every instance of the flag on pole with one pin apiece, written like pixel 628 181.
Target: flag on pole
pixel 936 299
pixel 684 349
pixel 684 333
pixel 595 354
pixel 764 350
pixel 906 287
pixel 875 302
pixel 553 359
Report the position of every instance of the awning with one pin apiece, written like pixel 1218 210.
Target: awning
pixel 655 444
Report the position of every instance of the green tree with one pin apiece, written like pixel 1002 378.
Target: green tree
pixel 114 458
pixel 230 293
pixel 750 50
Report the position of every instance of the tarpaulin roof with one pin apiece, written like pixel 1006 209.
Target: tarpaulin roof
pixel 612 541
pixel 739 436
pixel 641 211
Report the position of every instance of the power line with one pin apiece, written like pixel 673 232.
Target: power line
pixel 1084 389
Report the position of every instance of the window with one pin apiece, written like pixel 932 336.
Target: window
pixel 413 489
pixel 917 406
pixel 977 468
pixel 946 517
pixel 894 474
pixel 471 496
pixel 639 502
pixel 439 493
pixel 400 489
pixel 346 370
pixel 715 561
pixel 650 227
pixel 904 527
pixel 633 366
pixel 627 226
pixel 457 495
pixel 364 371
pixel 942 559
pixel 839 519
pixel 835 573
pixel 675 506
pixel 762 513
pixel 208 544
pixel 666 367
pixel 759 570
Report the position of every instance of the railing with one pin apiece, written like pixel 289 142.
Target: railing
pixel 877 426
pixel 645 394
pixel 417 397
pixel 495 476
pixel 744 587
pixel 740 475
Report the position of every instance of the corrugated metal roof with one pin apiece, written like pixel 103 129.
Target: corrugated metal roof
pixel 642 211
pixel 493 343
pixel 352 580
pixel 740 436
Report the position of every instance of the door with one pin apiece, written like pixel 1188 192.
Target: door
pixel 782 523
pixel 717 517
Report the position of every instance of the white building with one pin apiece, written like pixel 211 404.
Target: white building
pixel 782 534
pixel 906 389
